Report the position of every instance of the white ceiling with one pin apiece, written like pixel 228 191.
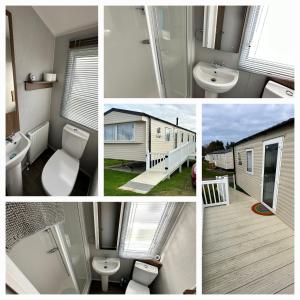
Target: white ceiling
pixel 66 19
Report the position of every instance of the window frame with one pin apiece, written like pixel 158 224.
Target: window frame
pixel 116 133
pixel 252 160
pixel 240 162
pixel 260 66
pixel 170 135
pixel 66 107
pixel 164 229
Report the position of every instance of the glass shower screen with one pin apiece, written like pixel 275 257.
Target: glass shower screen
pixel 171 31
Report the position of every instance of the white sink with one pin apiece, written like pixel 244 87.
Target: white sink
pixel 214 79
pixel 16 149
pixel 105 267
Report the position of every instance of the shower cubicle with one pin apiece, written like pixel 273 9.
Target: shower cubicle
pixel 156 57
pixel 54 260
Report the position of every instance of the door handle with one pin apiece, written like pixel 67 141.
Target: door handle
pixel 145 42
pixel 52 250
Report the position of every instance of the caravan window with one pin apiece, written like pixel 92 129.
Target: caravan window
pixel 146 228
pixel 125 132
pixel 119 132
pixel 249 157
pixel 239 159
pixel 80 96
pixel 168 134
pixel 182 136
pixel 109 133
pixel 268 26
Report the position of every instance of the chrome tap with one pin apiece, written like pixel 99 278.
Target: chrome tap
pixel 217 64
pixel 10 138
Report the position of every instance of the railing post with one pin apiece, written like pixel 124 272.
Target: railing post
pixel 167 164
pixel 147 160
pixel 234 185
pixel 226 189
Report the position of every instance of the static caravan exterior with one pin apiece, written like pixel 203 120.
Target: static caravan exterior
pixel 264 168
pixel 222 159
pixel 130 135
pixel 208 157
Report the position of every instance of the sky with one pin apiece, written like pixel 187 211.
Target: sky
pixel 233 122
pixel 168 112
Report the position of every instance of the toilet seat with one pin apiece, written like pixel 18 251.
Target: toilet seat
pixel 136 288
pixel 59 174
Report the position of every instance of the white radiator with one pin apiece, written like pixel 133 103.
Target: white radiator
pixel 39 141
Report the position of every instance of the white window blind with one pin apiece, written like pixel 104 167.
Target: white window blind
pixel 146 228
pixel 109 132
pixel 119 132
pixel 268 46
pixel 80 98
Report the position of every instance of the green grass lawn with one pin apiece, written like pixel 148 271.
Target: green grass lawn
pixel 207 173
pixel 180 184
pixel 113 180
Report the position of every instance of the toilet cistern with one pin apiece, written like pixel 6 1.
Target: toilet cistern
pixel 214 78
pixel 105 267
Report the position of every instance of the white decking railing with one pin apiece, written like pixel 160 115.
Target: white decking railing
pixel 172 160
pixel 215 192
pixel 178 156
pixel 157 160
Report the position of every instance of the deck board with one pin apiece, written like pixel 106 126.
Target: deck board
pixel 246 253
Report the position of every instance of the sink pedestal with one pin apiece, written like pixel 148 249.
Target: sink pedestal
pixel 104 283
pixel 14 183
pixel 210 94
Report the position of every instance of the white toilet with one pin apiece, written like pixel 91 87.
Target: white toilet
pixel 143 276
pixel 60 172
pixel 276 90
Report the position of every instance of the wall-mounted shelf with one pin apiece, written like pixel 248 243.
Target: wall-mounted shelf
pixel 36 85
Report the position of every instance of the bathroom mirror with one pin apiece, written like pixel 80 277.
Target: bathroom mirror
pixel 220 27
pixel 106 224
pixel 12 115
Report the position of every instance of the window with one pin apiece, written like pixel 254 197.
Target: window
pixel 109 132
pixel 168 134
pixel 125 132
pixel 268 47
pixel 239 159
pixel 146 228
pixel 119 132
pixel 182 137
pixel 188 138
pixel 80 97
pixel 249 157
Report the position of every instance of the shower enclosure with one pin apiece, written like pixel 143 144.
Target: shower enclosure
pixel 155 55
pixel 56 260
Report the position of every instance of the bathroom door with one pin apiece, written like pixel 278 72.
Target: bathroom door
pixel 171 27
pixel 128 64
pixel 272 152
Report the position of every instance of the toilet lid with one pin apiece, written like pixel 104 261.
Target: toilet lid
pixel 134 287
pixel 59 174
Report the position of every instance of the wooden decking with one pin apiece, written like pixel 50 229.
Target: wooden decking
pixel 245 253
